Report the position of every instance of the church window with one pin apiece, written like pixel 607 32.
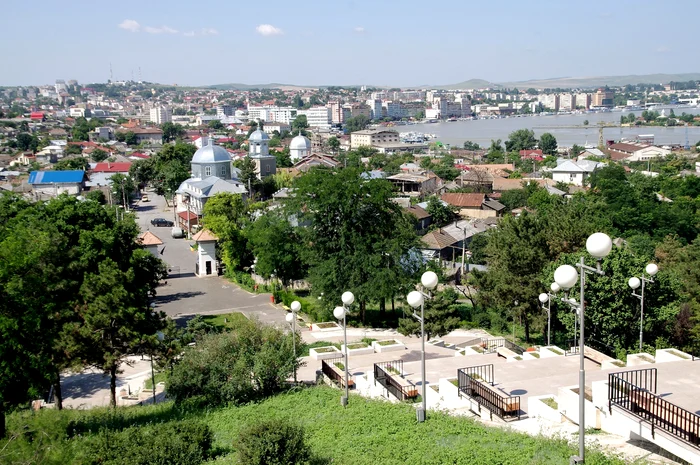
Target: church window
pixel 207 171
pixel 223 171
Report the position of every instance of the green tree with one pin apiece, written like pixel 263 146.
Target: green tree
pixel 216 125
pixel 97 196
pixel 356 123
pixel 272 442
pixel 333 144
pixel 441 316
pixel 122 188
pixel 73 150
pixel 130 138
pixel 171 131
pixel 224 215
pixel 548 144
pixel 249 175
pixel 469 145
pixel 576 150
pixel 142 171
pixel 275 244
pixel 359 239
pixel 24 141
pixel 79 163
pixel 300 123
pixel 440 214
pixel 99 155
pixel 522 139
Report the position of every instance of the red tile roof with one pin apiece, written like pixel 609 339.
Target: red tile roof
pixel 109 167
pixel 139 155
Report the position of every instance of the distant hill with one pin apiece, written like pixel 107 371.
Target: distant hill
pixel 238 86
pixel 470 84
pixel 598 81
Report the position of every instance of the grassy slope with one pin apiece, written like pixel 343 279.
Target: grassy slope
pixel 367 432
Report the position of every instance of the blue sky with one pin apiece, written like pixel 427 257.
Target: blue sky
pixel 342 42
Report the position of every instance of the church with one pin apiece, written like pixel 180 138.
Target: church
pixel 212 173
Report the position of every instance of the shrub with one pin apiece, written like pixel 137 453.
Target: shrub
pixel 186 442
pixel 248 363
pixel 272 442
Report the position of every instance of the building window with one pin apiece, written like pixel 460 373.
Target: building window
pixel 207 171
pixel 223 171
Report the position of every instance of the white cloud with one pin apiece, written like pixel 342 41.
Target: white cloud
pixel 662 49
pixel 130 25
pixel 160 30
pixel 207 31
pixel 359 29
pixel 269 30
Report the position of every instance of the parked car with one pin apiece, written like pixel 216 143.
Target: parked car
pixel 162 222
pixel 177 233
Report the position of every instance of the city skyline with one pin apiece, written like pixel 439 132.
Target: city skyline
pixel 350 43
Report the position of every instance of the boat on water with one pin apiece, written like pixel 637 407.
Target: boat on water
pixel 452 119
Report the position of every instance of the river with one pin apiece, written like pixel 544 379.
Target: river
pixel 483 131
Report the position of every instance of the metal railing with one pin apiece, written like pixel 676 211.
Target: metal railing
pixel 603 348
pixel 329 369
pixel 491 344
pixel 642 402
pixel 385 373
pixel 481 391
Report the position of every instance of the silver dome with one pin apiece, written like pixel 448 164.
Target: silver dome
pixel 211 154
pixel 258 136
pixel 300 143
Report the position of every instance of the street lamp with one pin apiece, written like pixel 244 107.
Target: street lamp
pixel 599 246
pixel 292 319
pixel 341 313
pixel 417 299
pixel 634 282
pixel 546 297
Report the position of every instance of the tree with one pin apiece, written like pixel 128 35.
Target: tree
pixel 522 139
pixel 548 144
pixel 272 442
pixel 216 125
pixel 171 131
pixel 99 155
pixel 446 168
pixel 356 123
pixel 469 145
pixel 251 362
pixel 300 123
pixel 73 149
pixel 224 215
pixel 576 150
pixel 358 238
pixel 249 175
pixel 79 163
pixel 24 141
pixel 275 244
pixel 122 188
pixel 441 316
pixel 97 196
pixel 333 144
pixel 130 138
pixel 441 214
pixel 142 171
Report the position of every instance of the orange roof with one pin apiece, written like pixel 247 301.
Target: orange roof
pixel 205 236
pixel 464 200
pixel 148 238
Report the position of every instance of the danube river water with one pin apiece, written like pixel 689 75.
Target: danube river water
pixel 568 129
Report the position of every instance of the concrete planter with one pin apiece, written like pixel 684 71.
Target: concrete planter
pixel 568 406
pixel 671 355
pixel 634 360
pixel 612 365
pixel 530 356
pixel 437 342
pixel 354 348
pixel 326 326
pixel 538 409
pixel 324 353
pixel 550 351
pixel 383 346
pixel 467 351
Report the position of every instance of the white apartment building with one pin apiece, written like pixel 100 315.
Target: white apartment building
pixel 337 115
pixel 272 113
pixel 567 102
pixel 225 110
pixel 375 106
pixel 317 117
pixel 161 114
pixel 369 137
pixel 550 101
pixel 393 110
pixel 583 100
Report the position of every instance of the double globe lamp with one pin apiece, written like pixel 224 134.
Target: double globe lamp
pixel 341 313
pixel 292 320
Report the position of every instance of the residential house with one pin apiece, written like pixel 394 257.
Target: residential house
pixel 47 184
pixel 591 153
pixel 372 137
pixel 474 205
pixel 636 151
pixel 535 154
pixel 439 245
pixel 416 184
pixel 423 218
pixel 150 242
pixel 315 159
pixel 151 136
pixel 574 172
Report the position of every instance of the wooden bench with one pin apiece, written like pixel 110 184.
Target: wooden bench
pixel 505 352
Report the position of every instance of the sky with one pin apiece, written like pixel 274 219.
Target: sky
pixel 342 42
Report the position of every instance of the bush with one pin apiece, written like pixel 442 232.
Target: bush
pixel 248 363
pixel 186 442
pixel 272 442
pixel 309 305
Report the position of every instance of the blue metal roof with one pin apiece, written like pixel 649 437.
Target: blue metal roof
pixel 56 177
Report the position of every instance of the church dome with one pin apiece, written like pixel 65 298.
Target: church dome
pixel 211 154
pixel 258 136
pixel 300 143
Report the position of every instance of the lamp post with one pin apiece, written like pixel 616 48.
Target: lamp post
pixel 341 314
pixel 292 319
pixel 634 282
pixel 417 299
pixel 546 297
pixel 599 246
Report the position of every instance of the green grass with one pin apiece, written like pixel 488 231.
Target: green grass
pixel 357 345
pixel 226 321
pixel 304 352
pixel 558 352
pixel 678 354
pixel 454 381
pixel 478 349
pixel 550 402
pixel 365 432
pixel 534 354
pixel 340 365
pixel 323 350
pixel 388 342
pixel 160 378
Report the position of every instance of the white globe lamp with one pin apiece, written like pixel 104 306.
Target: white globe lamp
pixel 415 299
pixel 339 313
pixel 296 306
pixel 599 245
pixel 555 287
pixel 652 269
pixel 543 297
pixel 566 276
pixel 429 280
pixel 289 317
pixel 634 283
pixel 348 298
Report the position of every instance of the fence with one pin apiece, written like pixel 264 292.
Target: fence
pixel 572 347
pixel 328 369
pixel 385 373
pixel 641 400
pixel 476 383
pixel 490 345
